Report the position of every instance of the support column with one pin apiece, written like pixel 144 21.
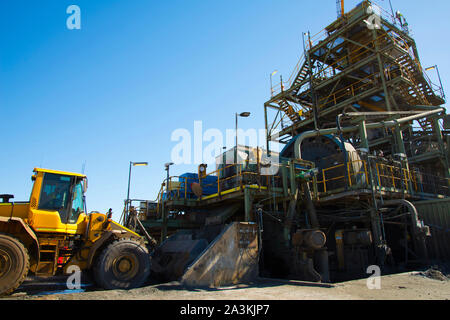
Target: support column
pixel 248 203
pixel 284 175
pixel 363 136
pixel 311 85
pixel 164 222
pixel 375 220
pixel 381 67
pixel 267 131
pixel 400 147
pixel 292 178
pixel 292 210
pixel 438 133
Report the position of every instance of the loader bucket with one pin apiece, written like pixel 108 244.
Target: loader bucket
pixel 230 256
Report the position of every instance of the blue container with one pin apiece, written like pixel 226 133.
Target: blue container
pixel 209 184
pixel 186 180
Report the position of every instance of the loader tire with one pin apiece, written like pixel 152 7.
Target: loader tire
pixel 14 264
pixel 124 264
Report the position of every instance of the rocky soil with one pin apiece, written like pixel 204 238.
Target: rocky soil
pixel 427 285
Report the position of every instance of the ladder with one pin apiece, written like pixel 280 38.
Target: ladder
pixel 49 252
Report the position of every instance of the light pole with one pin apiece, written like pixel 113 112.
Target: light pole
pixel 132 164
pixel 392 12
pixel 271 84
pixel 243 115
pixel 439 76
pixel 167 165
pixel 164 209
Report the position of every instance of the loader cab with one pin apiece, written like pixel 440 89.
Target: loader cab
pixel 57 202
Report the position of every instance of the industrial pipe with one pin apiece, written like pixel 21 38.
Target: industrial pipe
pixel 417 224
pixel 390 123
pixel 409 205
pixel 310 206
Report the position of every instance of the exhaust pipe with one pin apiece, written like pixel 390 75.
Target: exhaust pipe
pixel 6 197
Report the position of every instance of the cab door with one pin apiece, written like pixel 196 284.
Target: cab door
pixel 77 220
pixel 53 206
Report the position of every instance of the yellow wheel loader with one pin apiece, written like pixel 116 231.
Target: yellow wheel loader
pixel 53 234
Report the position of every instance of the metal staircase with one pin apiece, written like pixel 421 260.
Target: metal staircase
pixel 302 75
pixel 350 64
pixel 289 110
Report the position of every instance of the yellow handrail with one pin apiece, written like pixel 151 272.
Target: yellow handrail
pixel 333 65
pixel 384 173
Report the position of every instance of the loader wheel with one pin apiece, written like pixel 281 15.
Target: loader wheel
pixel 14 264
pixel 124 264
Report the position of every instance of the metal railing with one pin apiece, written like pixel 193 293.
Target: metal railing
pixel 422 143
pixel 230 178
pixel 387 176
pixel 330 70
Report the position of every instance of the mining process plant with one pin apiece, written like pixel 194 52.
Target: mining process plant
pixel 362 177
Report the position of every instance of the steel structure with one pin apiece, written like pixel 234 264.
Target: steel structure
pixel 361 107
pixel 366 142
pixel 365 65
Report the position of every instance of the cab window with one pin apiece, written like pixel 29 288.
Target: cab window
pixel 55 194
pixel 77 203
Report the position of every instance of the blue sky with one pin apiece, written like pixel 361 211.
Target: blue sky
pixel 114 91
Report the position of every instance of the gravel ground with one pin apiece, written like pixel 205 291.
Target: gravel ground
pixel 429 285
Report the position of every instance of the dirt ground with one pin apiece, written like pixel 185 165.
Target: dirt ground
pixel 405 286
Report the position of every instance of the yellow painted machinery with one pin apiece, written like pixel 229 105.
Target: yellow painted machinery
pixel 52 234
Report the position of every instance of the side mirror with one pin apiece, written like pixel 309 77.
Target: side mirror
pixel 85 185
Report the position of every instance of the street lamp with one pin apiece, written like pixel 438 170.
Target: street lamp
pixel 164 212
pixel 167 165
pixel 243 115
pixel 271 85
pixel 439 76
pixel 132 164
